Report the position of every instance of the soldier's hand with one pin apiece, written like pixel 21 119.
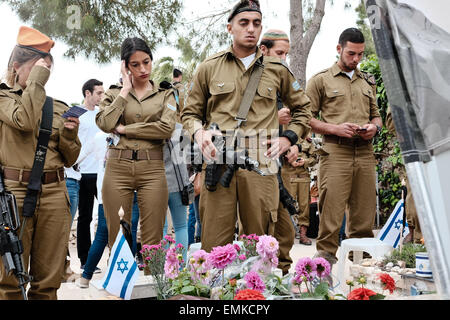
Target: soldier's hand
pixel 370 132
pixel 204 141
pixel 346 130
pixel 298 163
pixel 284 116
pixel 43 63
pixel 120 129
pixel 278 146
pixel 71 123
pixel 292 154
pixel 127 83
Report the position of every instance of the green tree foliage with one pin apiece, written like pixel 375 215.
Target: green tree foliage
pixel 365 29
pixel 390 166
pixel 163 70
pixel 96 29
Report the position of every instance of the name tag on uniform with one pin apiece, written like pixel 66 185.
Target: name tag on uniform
pixel 171 107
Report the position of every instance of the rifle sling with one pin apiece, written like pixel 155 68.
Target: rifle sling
pixel 250 91
pixel 34 185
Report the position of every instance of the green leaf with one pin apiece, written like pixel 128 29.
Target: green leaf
pixel 377 297
pixel 321 289
pixel 188 289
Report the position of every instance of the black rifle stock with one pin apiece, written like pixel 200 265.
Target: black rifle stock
pixel 11 248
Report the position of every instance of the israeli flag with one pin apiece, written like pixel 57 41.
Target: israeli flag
pixel 390 233
pixel 122 271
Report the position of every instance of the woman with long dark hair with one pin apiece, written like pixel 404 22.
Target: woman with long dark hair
pixel 142 114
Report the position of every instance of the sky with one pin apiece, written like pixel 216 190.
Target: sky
pixel 68 75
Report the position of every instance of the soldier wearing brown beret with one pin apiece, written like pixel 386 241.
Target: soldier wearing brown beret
pixel 46 234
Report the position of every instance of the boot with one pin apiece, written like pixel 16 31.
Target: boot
pixel 303 238
pixel 410 237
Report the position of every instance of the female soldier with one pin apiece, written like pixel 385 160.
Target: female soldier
pixel 143 114
pixel 46 234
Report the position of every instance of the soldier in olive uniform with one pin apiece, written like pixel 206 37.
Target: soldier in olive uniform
pixel 415 234
pixel 176 82
pixel 275 43
pixel 345 98
pixel 22 97
pixel 143 115
pixel 300 182
pixel 215 97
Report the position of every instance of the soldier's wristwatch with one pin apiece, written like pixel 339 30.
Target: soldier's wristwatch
pixel 378 129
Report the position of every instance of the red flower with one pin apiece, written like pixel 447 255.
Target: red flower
pixel 249 294
pixel 388 281
pixel 360 294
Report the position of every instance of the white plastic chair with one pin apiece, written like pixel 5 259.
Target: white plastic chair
pixel 375 247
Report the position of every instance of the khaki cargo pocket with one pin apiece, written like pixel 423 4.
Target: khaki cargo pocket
pixel 273 220
pixel 267 91
pixel 220 87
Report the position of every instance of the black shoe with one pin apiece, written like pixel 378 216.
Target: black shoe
pixel 197 239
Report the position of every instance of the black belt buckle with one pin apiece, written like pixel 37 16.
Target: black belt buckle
pixel 134 155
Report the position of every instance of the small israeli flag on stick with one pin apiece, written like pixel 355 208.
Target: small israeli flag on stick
pixel 122 271
pixel 392 229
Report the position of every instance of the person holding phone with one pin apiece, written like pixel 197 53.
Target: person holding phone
pixel 143 114
pixel 345 99
pixel 46 234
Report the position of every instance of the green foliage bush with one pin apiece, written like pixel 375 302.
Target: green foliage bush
pixel 390 167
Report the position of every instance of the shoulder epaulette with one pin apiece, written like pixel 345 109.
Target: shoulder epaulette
pixel 275 60
pixel 165 85
pixel 4 86
pixel 320 72
pixel 115 86
pixel 62 102
pixel 216 55
pixel 370 78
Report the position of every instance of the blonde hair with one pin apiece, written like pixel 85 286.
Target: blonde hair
pixel 21 55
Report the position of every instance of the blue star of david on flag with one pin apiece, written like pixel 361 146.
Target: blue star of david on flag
pixel 390 233
pixel 122 271
pixel 124 263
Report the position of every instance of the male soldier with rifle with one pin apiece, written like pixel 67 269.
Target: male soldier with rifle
pixel 237 90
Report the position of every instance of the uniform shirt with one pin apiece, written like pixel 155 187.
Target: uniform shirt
pixel 340 99
pixel 147 121
pixel 86 133
pixel 219 85
pixel 20 118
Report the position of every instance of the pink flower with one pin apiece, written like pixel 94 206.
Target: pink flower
pixel 267 247
pixel 254 281
pixel 323 267
pixel 236 246
pixel 172 265
pixel 200 265
pixel 169 239
pixel 242 257
pixel 306 267
pixel 222 256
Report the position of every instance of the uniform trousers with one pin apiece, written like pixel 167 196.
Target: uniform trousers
pixel 148 179
pixel 284 228
pixel 258 199
pixel 44 240
pixel 346 175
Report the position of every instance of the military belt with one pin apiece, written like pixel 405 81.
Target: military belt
pixel 136 155
pixel 352 142
pixel 22 175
